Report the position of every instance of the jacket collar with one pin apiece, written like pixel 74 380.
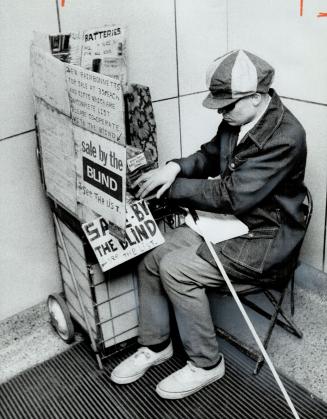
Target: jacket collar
pixel 269 122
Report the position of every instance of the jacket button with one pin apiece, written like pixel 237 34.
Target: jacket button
pixel 251 235
pixel 232 165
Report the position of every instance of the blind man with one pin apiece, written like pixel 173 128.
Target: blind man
pixel 254 169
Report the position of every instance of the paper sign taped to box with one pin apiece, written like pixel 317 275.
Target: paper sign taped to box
pixel 101 173
pixel 104 51
pixel 97 103
pixel 142 234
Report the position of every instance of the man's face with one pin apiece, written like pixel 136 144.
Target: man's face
pixel 240 112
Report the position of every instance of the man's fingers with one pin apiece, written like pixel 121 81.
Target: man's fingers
pixel 145 188
pixel 143 178
pixel 138 181
pixel 146 191
pixel 142 188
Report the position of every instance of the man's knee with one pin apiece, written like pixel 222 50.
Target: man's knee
pixel 166 265
pixel 148 264
pixel 152 259
pixel 171 274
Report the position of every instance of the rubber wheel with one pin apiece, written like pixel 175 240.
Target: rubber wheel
pixel 60 317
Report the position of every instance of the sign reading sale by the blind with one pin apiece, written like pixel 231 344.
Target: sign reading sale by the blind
pixel 142 234
pixel 101 173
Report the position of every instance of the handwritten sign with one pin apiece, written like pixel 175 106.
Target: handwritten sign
pixel 101 172
pixel 104 51
pixel 142 234
pixel 96 102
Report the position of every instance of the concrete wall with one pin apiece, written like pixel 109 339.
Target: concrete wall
pixel 170 44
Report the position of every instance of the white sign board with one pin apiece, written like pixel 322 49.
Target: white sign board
pixel 48 79
pixel 142 234
pixel 97 103
pixel 101 174
pixel 104 51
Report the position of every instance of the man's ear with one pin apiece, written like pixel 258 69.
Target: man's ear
pixel 256 99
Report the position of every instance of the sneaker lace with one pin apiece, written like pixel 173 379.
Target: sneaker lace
pixel 142 351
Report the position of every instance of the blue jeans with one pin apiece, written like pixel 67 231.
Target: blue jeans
pixel 173 272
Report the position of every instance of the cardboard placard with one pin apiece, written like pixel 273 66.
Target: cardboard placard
pixel 49 79
pixel 101 174
pixel 58 154
pixel 97 103
pixel 104 51
pixel 142 234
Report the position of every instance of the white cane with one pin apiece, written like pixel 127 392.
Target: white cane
pixel 246 318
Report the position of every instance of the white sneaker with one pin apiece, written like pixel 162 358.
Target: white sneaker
pixel 136 365
pixel 189 380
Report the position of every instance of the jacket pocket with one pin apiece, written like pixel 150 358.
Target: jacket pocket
pixel 251 250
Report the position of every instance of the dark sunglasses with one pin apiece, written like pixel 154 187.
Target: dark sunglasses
pixel 228 108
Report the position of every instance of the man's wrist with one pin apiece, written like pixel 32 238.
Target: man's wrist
pixel 175 167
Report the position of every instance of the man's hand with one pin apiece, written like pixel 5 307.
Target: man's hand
pixel 163 176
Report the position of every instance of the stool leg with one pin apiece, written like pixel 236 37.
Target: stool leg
pixel 289 325
pixel 273 319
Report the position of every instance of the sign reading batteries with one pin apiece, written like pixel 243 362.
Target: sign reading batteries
pixel 101 174
pixel 142 234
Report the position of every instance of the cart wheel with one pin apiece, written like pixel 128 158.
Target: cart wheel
pixel 60 317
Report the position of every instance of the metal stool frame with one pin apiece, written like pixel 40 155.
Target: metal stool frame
pixel 276 302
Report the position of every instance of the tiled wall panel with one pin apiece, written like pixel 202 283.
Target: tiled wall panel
pixel 294 45
pixel 166 115
pixel 28 259
pixel 18 19
pixel 202 37
pixel 313 118
pixel 198 124
pixel 150 39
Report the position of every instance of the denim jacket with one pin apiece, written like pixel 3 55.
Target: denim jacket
pixel 261 183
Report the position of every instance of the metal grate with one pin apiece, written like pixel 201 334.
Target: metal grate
pixel 70 387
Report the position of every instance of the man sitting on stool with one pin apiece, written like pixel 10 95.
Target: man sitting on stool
pixel 257 160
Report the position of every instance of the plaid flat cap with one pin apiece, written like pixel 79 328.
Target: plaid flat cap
pixel 235 75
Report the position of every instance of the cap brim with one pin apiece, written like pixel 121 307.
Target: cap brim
pixel 216 102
